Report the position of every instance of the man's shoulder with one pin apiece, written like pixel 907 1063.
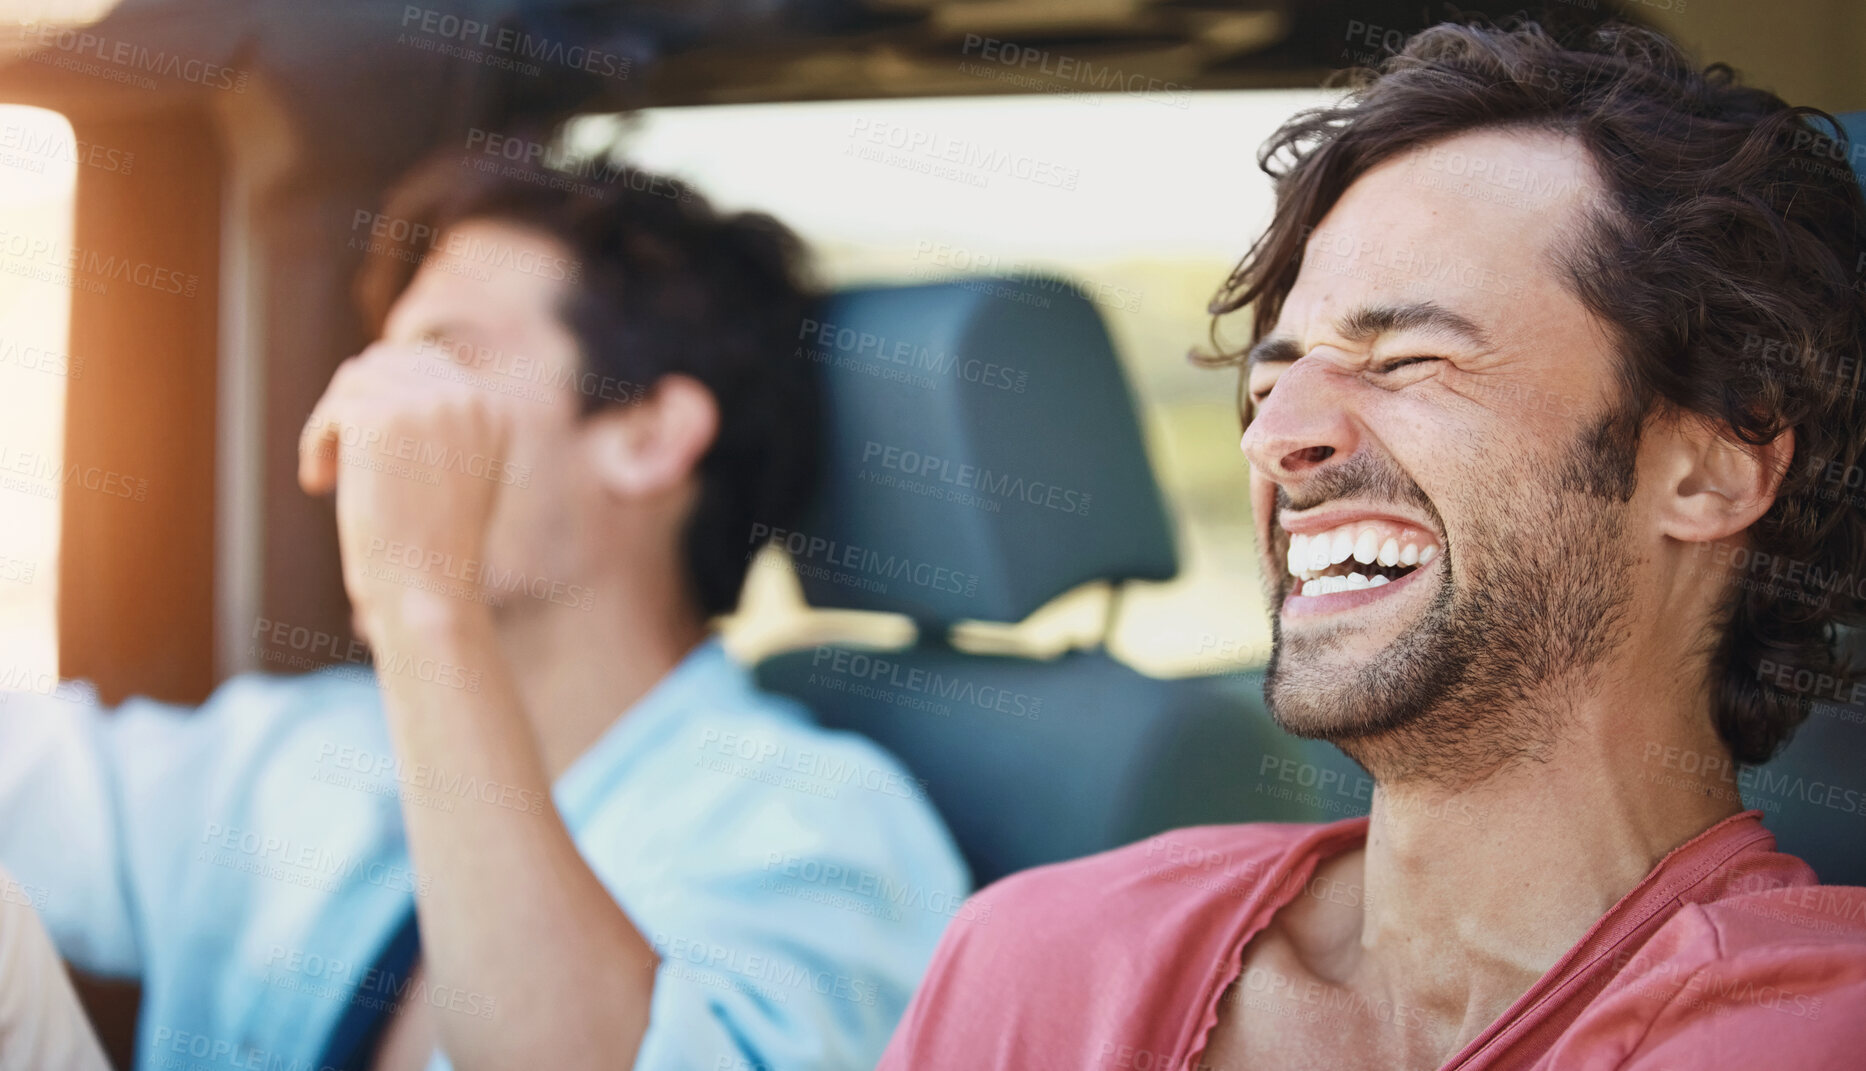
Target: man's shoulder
pixel 1773 978
pixel 730 776
pixel 1178 885
pixel 1123 941
pixel 249 725
pixel 1829 919
pixel 764 743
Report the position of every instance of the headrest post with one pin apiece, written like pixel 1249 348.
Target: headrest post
pixel 1111 617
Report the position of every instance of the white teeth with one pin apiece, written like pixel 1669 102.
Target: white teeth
pixel 1311 554
pixel 1333 585
pixel 1366 546
pixel 1318 554
pixel 1342 546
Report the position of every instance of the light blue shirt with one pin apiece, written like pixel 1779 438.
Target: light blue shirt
pixel 247 862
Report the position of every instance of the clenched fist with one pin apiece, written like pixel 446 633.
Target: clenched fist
pixel 417 461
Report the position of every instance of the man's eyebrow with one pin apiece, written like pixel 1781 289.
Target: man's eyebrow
pixel 1279 350
pixel 1370 322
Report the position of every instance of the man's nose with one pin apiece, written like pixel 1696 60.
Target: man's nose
pixel 1301 425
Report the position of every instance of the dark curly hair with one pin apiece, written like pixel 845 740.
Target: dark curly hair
pixel 660 283
pixel 1724 257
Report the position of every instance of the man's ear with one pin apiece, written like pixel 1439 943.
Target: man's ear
pixel 653 445
pixel 1716 486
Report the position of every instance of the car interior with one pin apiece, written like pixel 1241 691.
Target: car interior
pixel 1029 573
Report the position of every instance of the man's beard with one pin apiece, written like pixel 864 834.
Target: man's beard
pixel 1477 683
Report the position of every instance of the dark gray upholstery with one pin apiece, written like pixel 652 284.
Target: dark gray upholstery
pixel 982 454
pixel 1032 762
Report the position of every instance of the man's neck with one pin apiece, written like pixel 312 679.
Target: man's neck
pixel 1471 894
pixel 579 670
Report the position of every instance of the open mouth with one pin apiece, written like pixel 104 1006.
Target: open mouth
pixel 1357 555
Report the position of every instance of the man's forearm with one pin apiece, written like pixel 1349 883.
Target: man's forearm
pixel 508 908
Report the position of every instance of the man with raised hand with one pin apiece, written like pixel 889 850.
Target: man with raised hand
pixel 557 826
pixel 1507 422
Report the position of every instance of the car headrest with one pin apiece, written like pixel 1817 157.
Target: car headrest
pixel 981 454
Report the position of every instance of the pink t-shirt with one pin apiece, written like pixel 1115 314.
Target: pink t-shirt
pixel 1727 955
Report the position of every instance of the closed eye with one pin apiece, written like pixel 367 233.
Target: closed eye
pixel 1384 368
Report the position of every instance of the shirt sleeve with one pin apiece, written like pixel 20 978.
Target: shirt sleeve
pixel 61 830
pixel 907 1047
pixel 41 1025
pixel 798 931
pixel 1797 999
pixel 97 806
pixel 785 973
